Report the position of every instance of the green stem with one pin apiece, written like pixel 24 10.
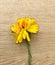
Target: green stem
pixel 29 53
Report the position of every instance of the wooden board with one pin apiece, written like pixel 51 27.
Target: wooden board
pixel 42 44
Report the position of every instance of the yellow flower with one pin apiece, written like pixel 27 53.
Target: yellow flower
pixel 23 27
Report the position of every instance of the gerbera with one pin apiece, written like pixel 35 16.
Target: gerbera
pixel 23 27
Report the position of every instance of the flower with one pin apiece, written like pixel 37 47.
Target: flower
pixel 23 27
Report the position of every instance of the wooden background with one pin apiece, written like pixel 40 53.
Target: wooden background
pixel 42 44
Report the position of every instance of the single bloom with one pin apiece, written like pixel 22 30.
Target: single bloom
pixel 23 27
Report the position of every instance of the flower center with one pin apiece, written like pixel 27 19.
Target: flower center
pixel 23 25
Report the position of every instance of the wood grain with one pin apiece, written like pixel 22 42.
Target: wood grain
pixel 42 44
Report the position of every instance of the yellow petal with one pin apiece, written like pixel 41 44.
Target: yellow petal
pixel 29 21
pixel 20 21
pixel 24 34
pixel 19 38
pixel 15 28
pixel 33 29
pixel 33 21
pixel 28 38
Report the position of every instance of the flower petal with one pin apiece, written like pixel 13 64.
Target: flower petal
pixel 19 38
pixel 20 21
pixel 24 34
pixel 33 29
pixel 28 38
pixel 32 21
pixel 29 21
pixel 15 28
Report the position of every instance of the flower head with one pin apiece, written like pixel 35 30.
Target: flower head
pixel 23 27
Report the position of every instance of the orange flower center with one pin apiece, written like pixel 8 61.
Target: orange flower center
pixel 22 26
